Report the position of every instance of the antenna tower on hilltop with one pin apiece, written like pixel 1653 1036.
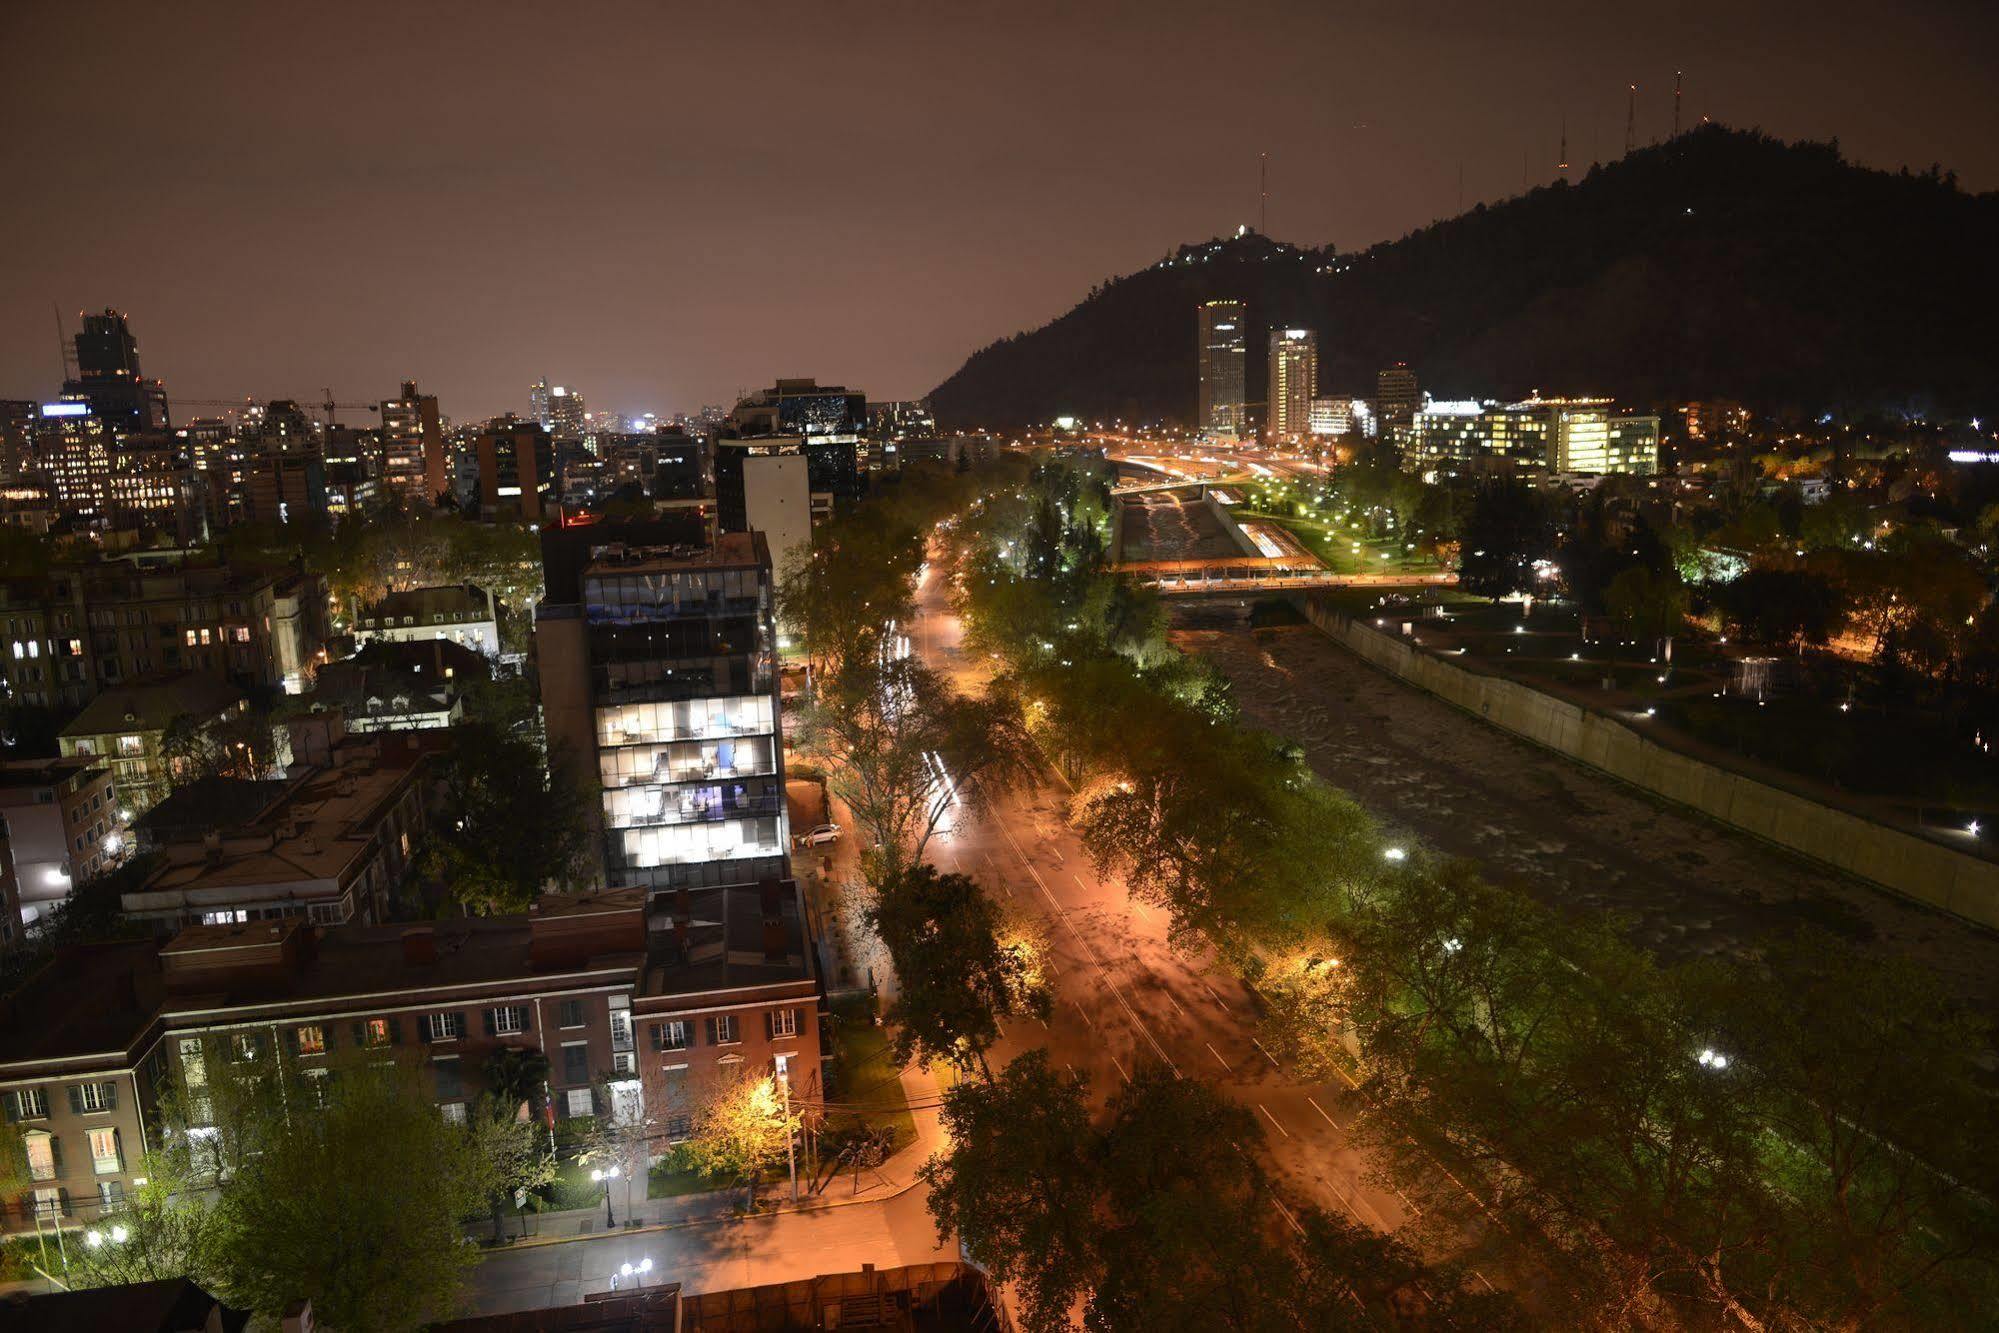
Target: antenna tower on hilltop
pixel 1631 120
pixel 1676 104
pixel 1263 194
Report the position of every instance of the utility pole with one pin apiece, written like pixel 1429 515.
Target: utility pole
pixel 1631 121
pixel 790 1134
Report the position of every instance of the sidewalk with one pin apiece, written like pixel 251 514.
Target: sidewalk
pixel 892 1178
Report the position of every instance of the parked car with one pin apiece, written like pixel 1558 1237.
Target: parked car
pixel 820 836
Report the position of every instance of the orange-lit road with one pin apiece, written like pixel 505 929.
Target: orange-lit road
pixel 1126 996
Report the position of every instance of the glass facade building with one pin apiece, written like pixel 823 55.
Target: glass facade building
pixel 1224 348
pixel 666 665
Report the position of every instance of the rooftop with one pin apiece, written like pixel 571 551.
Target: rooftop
pixel 724 938
pixel 151 703
pixel 17 774
pixel 454 602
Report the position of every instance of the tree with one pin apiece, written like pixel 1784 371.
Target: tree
pixel 508 824
pixel 742 1126
pixel 516 1076
pixel 1791 608
pixel 1510 529
pixel 858 579
pixel 510 1141
pixel 1648 606
pixel 160 1232
pixel 960 967
pixel 1019 1185
pixel 903 748
pixel 353 1193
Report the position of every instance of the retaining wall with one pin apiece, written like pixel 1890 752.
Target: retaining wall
pixel 1904 862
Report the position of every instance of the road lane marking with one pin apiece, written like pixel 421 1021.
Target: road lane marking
pixel 1084 1012
pixel 1272 1119
pixel 1266 1054
pixel 1218 999
pixel 1110 980
pixel 1218 1058
pixel 1322 1111
pixel 1120 1069
pixel 1287 1214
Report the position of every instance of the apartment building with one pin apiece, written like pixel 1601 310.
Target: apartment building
pixel 126 727
pixel 60 824
pixel 624 1016
pixel 457 613
pixel 658 678
pixel 328 844
pixel 82 628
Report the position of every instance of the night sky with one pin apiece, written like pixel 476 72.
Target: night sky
pixel 662 204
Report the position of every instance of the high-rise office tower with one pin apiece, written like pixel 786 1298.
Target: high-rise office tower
pixel 565 414
pixel 1224 349
pixel 538 404
pixel 658 663
pixel 108 378
pixel 1294 377
pixel 413 445
pixel 1395 399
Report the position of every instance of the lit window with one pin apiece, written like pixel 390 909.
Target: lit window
pixel 95 1097
pixel 104 1152
pixel 376 1032
pixel 580 1103
pixel 245 1046
pixel 190 638
pixel 193 1069
pixel 454 1112
pixel 312 1040
pixel 784 1023
pixel 31 1104
pixel 41 1155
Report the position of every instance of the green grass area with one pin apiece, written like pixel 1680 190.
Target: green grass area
pixel 1334 544
pixel 866 1081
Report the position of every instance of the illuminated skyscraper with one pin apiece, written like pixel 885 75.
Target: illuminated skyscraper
pixel 538 404
pixel 1224 350
pixel 565 414
pixel 1395 399
pixel 1294 375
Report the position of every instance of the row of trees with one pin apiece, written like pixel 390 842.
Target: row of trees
pixel 1783 1142
pixel 1161 1217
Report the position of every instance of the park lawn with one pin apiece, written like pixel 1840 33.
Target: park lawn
pixel 867 1081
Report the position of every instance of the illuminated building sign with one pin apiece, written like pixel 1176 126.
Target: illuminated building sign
pixel 65 409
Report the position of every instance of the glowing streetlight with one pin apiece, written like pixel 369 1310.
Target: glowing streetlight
pixel 605 1177
pixel 1393 854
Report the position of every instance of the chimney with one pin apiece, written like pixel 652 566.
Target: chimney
pixel 420 944
pixel 776 946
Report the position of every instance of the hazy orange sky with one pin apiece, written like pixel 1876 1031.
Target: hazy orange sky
pixel 662 204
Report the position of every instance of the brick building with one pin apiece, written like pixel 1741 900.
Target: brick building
pixel 632 1020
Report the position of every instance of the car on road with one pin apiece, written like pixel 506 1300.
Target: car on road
pixel 820 835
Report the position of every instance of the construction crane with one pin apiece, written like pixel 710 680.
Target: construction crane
pixel 327 406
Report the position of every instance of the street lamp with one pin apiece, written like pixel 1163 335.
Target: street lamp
pixel 606 1177
pixel 1393 854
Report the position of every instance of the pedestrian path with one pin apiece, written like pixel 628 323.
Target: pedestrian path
pixel 831 1190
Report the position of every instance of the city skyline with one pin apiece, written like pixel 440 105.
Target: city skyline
pixel 421 218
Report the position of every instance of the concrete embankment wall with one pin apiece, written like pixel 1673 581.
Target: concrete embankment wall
pixel 1901 861
pixel 1229 525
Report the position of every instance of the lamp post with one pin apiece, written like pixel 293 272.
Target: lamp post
pixel 605 1178
pixel 638 1270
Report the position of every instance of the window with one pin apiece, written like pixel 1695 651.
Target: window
pixel 444 1027
pixel 450 1087
pixel 453 1112
pixel 571 1014
pixel 50 1203
pixel 93 1098
pixel 193 1068
pixel 579 1102
pixel 670 1036
pixel 131 745
pixel 110 1195
pixel 783 1022
pixel 722 1030
pixel 509 1020
pixel 41 1149
pixel 679 1113
pixel 104 1152
pixel 376 1032
pixel 245 1046
pixel 621 1027
pixel 312 1039
pixel 622 1062
pixel 31 1104
pixel 575 1062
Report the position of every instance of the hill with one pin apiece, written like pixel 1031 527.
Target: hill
pixel 1722 263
